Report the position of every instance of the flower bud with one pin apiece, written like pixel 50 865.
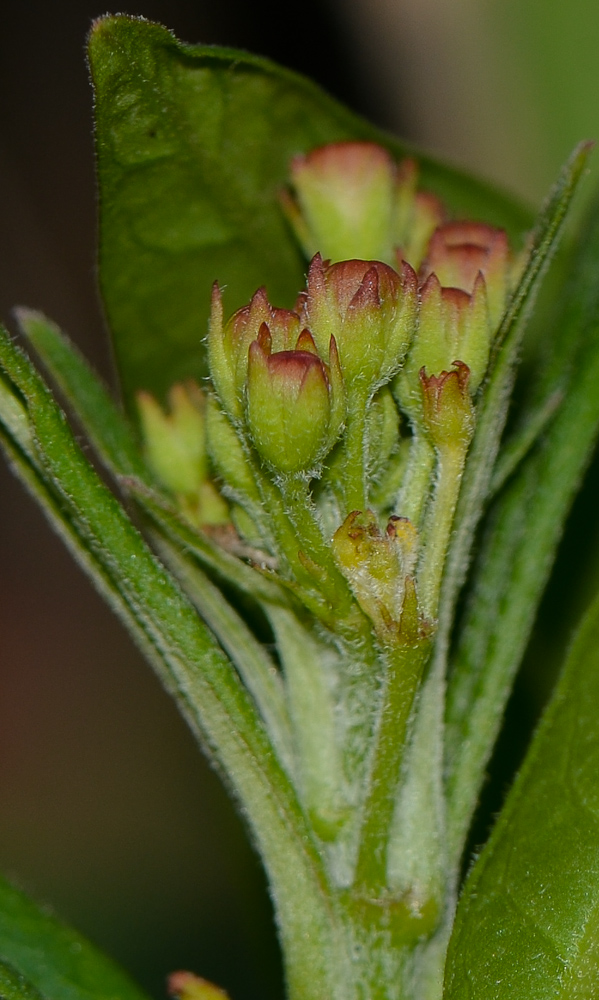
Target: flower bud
pixel 417 215
pixel 228 343
pixel 295 405
pixel 352 200
pixel 187 986
pixel 452 324
pixel 376 564
pixel 448 409
pixel 369 309
pixel 345 194
pixel 175 441
pixel 459 251
pixel 175 446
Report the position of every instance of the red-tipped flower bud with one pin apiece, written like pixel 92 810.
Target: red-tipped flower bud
pixel 352 200
pixel 370 310
pixel 345 194
pixel 228 344
pixel 448 410
pixel 295 406
pixel 453 324
pixel 459 251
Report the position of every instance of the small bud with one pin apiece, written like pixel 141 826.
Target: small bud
pixel 369 309
pixel 228 344
pixel 175 446
pixel 344 206
pixel 417 215
pixel 376 565
pixel 175 441
pixel 294 406
pixel 459 251
pixel 448 410
pixel 453 324
pixel 187 986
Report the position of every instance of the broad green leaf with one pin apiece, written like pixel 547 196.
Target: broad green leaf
pixel 521 538
pixel 186 657
pixel 43 959
pixel 527 925
pixel 194 145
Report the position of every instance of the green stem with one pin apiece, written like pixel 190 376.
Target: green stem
pixel 353 475
pixel 405 665
pixel 416 485
pixel 438 525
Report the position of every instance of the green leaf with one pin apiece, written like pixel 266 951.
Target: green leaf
pixel 43 959
pixel 14 986
pixel 528 922
pixel 194 144
pixel 88 398
pixel 521 539
pixel 186 657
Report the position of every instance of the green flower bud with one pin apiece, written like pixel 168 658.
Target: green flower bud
pixel 345 194
pixel 453 324
pixel 448 409
pixel 351 200
pixel 369 309
pixel 228 344
pixel 295 404
pixel 175 441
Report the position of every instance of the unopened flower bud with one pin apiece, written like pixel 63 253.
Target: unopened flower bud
pixel 228 343
pixel 295 406
pixel 188 986
pixel 459 251
pixel 344 207
pixel 370 310
pixel 175 440
pixel 175 446
pixel 351 200
pixel 452 324
pixel 417 216
pixel 448 409
pixel 376 564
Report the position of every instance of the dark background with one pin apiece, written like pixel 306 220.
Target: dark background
pixel 107 810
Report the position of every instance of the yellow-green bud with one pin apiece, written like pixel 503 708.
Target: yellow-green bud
pixel 377 565
pixel 175 441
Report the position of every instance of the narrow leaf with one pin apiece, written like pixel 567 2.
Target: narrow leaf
pixel 43 959
pixel 528 922
pixel 521 540
pixel 194 145
pixel 90 401
pixel 193 668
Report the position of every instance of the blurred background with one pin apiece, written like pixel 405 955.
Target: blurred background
pixel 107 810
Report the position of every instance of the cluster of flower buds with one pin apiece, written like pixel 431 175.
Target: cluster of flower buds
pixel 464 289
pixel 284 375
pixel 351 200
pixel 397 318
pixel 175 446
